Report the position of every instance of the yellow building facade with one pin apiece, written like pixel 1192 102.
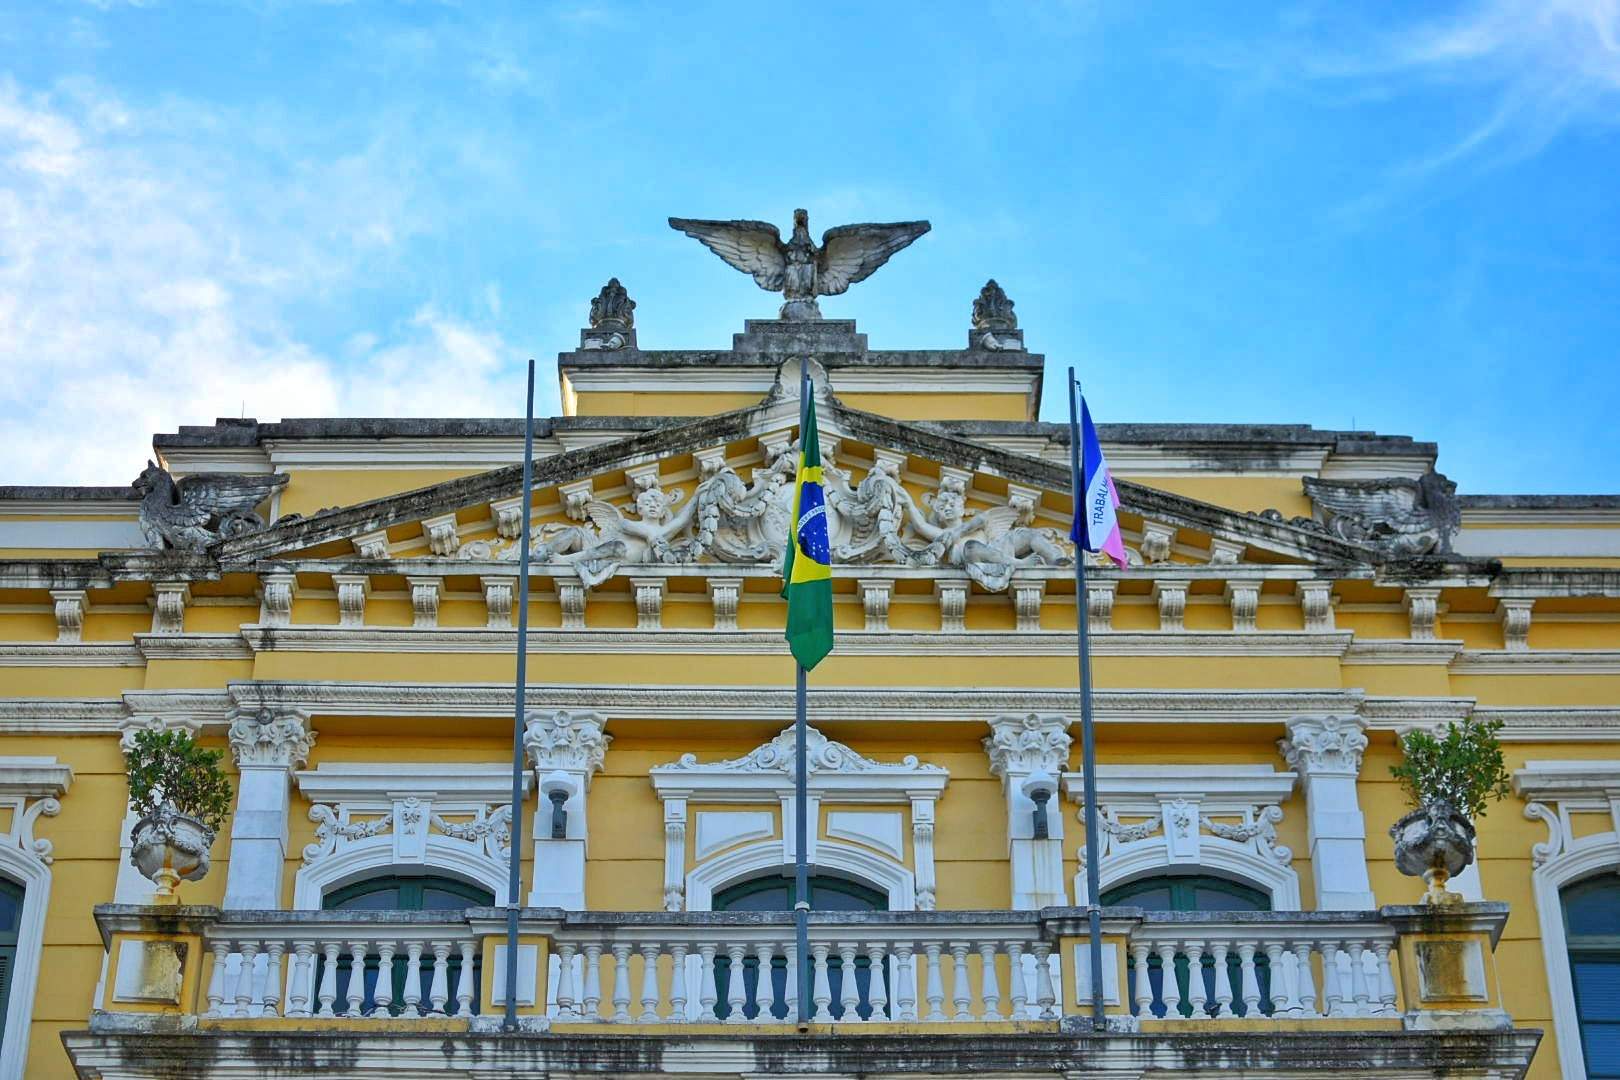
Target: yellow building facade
pixel 1295 600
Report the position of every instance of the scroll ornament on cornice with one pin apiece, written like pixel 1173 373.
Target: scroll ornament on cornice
pixel 1027 743
pixel 1328 744
pixel 330 828
pixel 1543 851
pixel 731 521
pixel 270 739
pixel 566 740
pixel 822 755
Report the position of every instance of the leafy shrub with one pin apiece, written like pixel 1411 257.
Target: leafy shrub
pixel 1464 767
pixel 168 768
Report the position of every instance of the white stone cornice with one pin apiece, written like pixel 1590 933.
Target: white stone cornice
pixel 271 739
pixel 1402 651
pixel 442 536
pixel 193 647
pixel 1324 745
pixel 1027 742
pixel 43 654
pixel 1542 662
pixel 569 740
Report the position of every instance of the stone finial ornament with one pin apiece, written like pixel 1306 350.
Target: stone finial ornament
pixel 1400 517
pixel 194 512
pixel 993 310
pixel 798 269
pixel 613 309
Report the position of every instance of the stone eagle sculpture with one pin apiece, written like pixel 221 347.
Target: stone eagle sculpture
pixel 798 269
pixel 197 511
pixel 1402 517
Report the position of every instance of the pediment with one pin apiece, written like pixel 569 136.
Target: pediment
pixel 716 493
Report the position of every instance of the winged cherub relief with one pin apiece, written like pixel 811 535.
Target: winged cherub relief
pixel 989 544
pixel 798 269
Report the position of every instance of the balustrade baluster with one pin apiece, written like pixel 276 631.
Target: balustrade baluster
pixel 1332 983
pixel 905 977
pixel 1045 991
pixel 989 987
pixel 1304 987
pixel 298 982
pixel 1223 981
pixel 1197 994
pixel 677 984
pixel 790 987
pixel 961 994
pixel 565 980
pixel 849 998
pixel 1018 985
pixel 357 977
pixel 1251 983
pixel 621 984
pixel 591 994
pixel 708 995
pixel 1358 979
pixel 216 977
pixel 272 980
pixel 1144 983
pixel 649 983
pixel 413 980
pixel 764 990
pixel 1386 980
pixel 822 991
pixel 245 979
pixel 1280 996
pixel 439 988
pixel 1169 991
pixel 877 994
pixel 737 994
pixel 382 998
pixel 464 981
pixel 328 991
pixel 936 986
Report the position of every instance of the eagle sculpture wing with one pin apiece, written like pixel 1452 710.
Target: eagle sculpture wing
pixel 227 493
pixel 1371 500
pixel 850 253
pixel 754 247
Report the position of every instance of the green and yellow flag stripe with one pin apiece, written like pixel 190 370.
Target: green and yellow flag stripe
pixel 807 564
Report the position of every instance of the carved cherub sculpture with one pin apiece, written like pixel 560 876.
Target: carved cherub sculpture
pixel 990 544
pixel 647 536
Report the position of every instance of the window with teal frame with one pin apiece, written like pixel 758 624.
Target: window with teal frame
pixel 11 904
pixel 1592 928
pixel 1194 893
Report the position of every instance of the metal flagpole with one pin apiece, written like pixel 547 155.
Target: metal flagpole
pixel 514 884
pixel 1088 742
pixel 801 827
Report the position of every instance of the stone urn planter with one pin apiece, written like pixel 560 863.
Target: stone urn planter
pixel 1434 842
pixel 169 847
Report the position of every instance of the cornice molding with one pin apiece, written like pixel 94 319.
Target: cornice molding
pixel 1401 651
pixel 75 654
pixel 1537 662
pixel 193 647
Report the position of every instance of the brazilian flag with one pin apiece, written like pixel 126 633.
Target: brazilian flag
pixel 807 566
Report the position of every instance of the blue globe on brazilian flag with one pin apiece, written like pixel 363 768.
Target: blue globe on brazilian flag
pixel 807 565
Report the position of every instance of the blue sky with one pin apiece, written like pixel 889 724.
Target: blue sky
pixel 1403 220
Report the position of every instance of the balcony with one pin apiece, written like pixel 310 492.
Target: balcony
pixel 1383 987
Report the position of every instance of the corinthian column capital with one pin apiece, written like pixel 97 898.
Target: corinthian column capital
pixel 566 740
pixel 1025 743
pixel 1324 745
pixel 279 738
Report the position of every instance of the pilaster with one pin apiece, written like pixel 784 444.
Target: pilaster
pixel 267 746
pixel 574 745
pixel 1326 752
pixel 1019 746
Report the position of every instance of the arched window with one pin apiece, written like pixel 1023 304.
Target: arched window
pixel 1194 893
pixel 11 905
pixel 400 893
pixel 777 893
pixel 1592 929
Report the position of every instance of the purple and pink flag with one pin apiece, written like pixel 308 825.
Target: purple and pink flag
pixel 1096 523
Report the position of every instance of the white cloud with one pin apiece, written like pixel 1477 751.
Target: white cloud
pixel 139 291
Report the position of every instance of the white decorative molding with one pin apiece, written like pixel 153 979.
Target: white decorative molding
pixel 508 517
pixel 352 590
pixel 875 594
pixel 1020 745
pixel 442 536
pixel 267 745
pixel 1220 818
pixel 952 596
pixel 169 600
pixel 1171 597
pixel 424 601
pixel 882 830
pixel 834 773
pixel 30 787
pixel 573 743
pixel 1555 793
pixel 71 605
pixel 1157 542
pixel 1027 596
pixel 371 545
pixel 1100 605
pixel 1422 611
pixel 1316 604
pixel 751 861
pixel 649 595
pixel 1225 552
pixel 499 594
pixel 1326 752
pixel 725 593
pixel 276 591
pixel 1514 613
pixel 371 818
pixel 720 829
pixel 571 600
pixel 1243 598
pixel 271 739
pixel 574 495
pixel 1023 743
pixel 674 854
